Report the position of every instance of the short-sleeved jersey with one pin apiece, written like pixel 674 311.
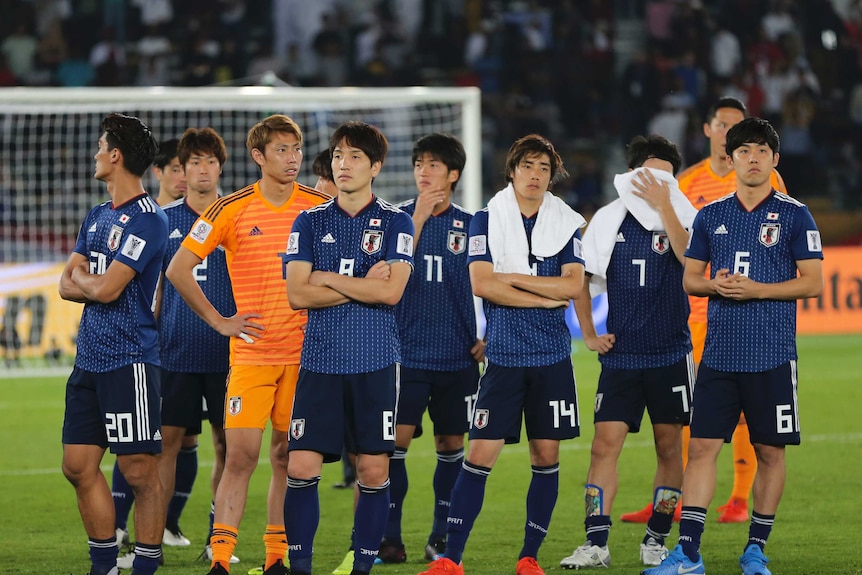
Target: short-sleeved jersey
pixel 254 236
pixel 436 317
pixel 647 306
pixel 352 337
pixel 701 185
pixel 525 337
pixel 113 335
pixel 187 343
pixel 763 244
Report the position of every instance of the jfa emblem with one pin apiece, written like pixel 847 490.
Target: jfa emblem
pixel 660 243
pixel 480 419
pixel 114 237
pixel 234 404
pixel 372 241
pixel 457 242
pixel 297 428
pixel 769 234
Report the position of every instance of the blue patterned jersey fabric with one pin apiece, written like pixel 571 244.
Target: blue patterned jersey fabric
pixel 764 244
pixel 647 306
pixel 526 337
pixel 122 332
pixel 187 344
pixel 353 337
pixel 436 316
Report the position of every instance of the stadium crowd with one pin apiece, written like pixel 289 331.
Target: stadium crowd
pixel 589 74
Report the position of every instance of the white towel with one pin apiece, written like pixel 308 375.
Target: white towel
pixel 601 235
pixel 507 238
pixel 642 211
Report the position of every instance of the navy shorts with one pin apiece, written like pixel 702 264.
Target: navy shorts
pixel 666 392
pixel 546 396
pixel 448 395
pixel 117 409
pixel 768 399
pixel 185 394
pixel 356 411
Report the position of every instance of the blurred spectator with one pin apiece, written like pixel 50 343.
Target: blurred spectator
pixel 108 59
pixel 154 52
pixel 779 20
pixel 76 71
pixel 329 49
pixel 7 78
pixel 19 48
pixel 725 54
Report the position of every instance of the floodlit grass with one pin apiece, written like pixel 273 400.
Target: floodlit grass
pixel 818 529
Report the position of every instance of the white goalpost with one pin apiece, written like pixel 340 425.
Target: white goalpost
pixel 48 138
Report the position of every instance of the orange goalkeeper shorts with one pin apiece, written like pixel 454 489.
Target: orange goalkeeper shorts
pixel 259 393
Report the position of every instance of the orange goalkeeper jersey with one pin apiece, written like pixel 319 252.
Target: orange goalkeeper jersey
pixel 701 185
pixel 254 235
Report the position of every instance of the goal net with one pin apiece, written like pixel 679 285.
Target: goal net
pixel 48 138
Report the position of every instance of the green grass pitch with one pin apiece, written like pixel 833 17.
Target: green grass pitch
pixel 818 529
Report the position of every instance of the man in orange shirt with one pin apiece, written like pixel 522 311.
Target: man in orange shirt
pixel 252 225
pixel 704 182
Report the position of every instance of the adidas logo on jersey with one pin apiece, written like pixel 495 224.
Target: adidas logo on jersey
pixel 328 239
pixel 92 228
pixel 175 234
pixel 620 237
pixel 255 231
pixel 721 230
pixel 157 436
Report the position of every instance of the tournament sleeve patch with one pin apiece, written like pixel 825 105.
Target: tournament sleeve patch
pixel 579 248
pixel 478 246
pixel 814 243
pixel 201 231
pixel 405 244
pixel 134 247
pixel 293 243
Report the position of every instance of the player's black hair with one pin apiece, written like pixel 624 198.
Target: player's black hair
pixel 167 151
pixel 752 131
pixel 641 149
pixel 201 141
pixel 322 165
pixel 444 148
pixel 364 136
pixel 531 146
pixel 726 102
pixel 134 140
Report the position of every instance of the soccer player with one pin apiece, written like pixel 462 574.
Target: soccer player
pixel 437 327
pixel 322 168
pixel 172 186
pixel 764 250
pixel 169 172
pixel 635 250
pixel 524 257
pixel 348 262
pixel 113 395
pixel 708 180
pixel 252 225
pixel 194 356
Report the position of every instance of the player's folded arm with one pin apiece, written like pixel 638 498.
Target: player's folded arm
pixel 301 294
pixel 568 285
pixel 374 290
pixel 106 287
pixel 488 286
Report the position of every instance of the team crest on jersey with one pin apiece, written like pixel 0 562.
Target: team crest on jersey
pixel 297 428
pixel 457 242
pixel 480 418
pixel 234 404
pixel 769 234
pixel 660 243
pixel 372 241
pixel 114 237
pixel 293 243
pixel 201 231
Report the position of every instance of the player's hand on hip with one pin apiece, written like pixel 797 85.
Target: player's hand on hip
pixel 243 327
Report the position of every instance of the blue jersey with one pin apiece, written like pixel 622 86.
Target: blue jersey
pixel 526 337
pixel 353 337
pixel 113 335
pixel 187 343
pixel 436 316
pixel 763 244
pixel 647 307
